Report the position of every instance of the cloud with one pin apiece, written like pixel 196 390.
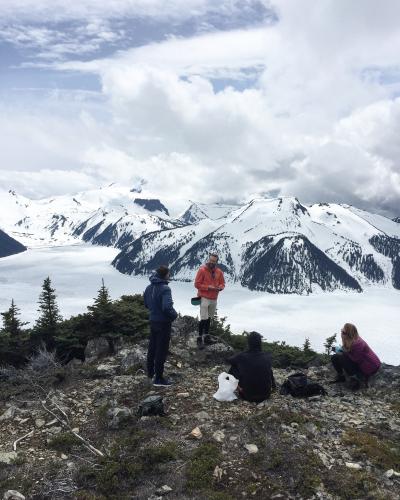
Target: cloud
pixel 320 122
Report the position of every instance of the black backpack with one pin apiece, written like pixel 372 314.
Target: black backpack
pixel 151 406
pixel 298 386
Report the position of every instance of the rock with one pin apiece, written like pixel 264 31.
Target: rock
pixel 218 472
pixel 96 348
pixel 352 465
pixel 13 495
pixel 134 357
pixel 39 422
pixel 7 457
pixel 391 473
pixel 118 417
pixel 164 490
pixel 107 369
pixel 251 448
pixel 202 415
pixel 219 436
pixel 9 413
pixel 196 433
pixel 63 456
pixel 183 395
pixel 55 430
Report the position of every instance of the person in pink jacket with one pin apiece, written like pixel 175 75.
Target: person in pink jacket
pixel 355 358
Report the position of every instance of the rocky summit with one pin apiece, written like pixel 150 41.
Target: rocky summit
pixel 74 432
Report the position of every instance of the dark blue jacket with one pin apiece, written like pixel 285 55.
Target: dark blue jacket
pixel 158 299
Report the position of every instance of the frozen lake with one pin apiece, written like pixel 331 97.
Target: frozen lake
pixel 76 273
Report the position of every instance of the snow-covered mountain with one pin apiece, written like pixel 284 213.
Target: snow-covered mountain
pixel 110 216
pixel 280 246
pixel 277 245
pixel 9 246
pixel 199 211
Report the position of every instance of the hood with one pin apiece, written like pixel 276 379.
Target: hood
pixel 156 280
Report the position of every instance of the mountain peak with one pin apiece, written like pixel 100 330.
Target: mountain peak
pixel 152 205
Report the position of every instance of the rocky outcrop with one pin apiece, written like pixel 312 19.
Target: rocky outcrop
pixel 343 445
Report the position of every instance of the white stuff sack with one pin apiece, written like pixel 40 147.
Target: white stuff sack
pixel 227 386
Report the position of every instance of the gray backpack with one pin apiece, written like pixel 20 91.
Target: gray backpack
pixel 151 406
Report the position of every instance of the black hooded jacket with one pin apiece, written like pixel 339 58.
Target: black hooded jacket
pixel 253 369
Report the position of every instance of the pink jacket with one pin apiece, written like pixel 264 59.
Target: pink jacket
pixel 364 356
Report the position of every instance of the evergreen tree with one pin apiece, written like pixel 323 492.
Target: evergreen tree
pixel 102 312
pixel 307 345
pixel 47 325
pixel 329 343
pixel 11 322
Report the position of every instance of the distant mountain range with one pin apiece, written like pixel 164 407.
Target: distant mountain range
pixel 276 245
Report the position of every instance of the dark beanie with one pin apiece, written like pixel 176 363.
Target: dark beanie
pixel 254 341
pixel 162 271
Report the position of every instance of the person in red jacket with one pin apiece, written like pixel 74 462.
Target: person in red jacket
pixel 209 282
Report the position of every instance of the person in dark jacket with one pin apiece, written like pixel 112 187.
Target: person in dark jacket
pixel 158 299
pixel 253 369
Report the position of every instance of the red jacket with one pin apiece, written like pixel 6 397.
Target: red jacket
pixel 206 277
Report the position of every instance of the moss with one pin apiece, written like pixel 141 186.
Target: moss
pixel 348 484
pixel 159 454
pixel 201 466
pixel 64 442
pixel 380 452
pixel 309 474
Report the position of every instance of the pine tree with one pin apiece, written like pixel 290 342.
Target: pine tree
pixel 47 324
pixel 11 322
pixel 102 312
pixel 307 345
pixel 329 343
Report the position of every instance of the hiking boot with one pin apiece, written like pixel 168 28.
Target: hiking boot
pixel 338 380
pixel 200 342
pixel 354 383
pixel 161 382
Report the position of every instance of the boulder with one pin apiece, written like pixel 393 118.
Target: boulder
pixel 118 417
pixel 134 357
pixel 96 348
pixel 7 457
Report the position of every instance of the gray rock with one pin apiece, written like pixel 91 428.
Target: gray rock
pixel 202 415
pixel 7 457
pixel 96 348
pixel 107 369
pixel 13 495
pixel 164 490
pixel 9 413
pixel 118 417
pixel 132 357
pixel 251 448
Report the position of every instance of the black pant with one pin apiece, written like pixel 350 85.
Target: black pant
pixel 341 362
pixel 204 326
pixel 160 335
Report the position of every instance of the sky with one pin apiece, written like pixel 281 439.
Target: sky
pixel 202 99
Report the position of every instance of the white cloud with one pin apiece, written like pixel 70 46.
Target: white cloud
pixel 320 123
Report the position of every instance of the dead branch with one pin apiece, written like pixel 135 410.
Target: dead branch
pixel 20 439
pixel 66 424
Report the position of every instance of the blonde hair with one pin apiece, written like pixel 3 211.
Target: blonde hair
pixel 349 335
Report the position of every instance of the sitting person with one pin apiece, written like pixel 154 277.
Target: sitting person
pixel 355 359
pixel 253 369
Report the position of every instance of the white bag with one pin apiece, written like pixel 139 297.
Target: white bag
pixel 227 385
